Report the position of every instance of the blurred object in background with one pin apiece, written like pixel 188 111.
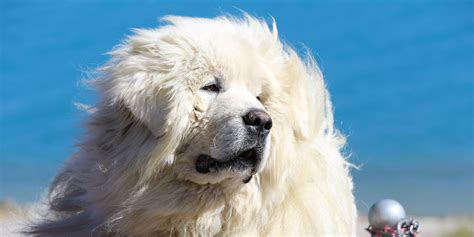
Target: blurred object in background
pixel 387 218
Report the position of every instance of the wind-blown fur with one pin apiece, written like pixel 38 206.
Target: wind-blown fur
pixel 127 177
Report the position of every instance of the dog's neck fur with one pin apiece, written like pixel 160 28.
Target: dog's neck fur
pixel 227 212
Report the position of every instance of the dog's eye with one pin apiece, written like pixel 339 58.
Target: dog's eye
pixel 211 88
pixel 259 99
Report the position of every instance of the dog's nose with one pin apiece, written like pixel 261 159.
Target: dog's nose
pixel 258 118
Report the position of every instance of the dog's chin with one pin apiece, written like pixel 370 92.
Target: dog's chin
pixel 240 167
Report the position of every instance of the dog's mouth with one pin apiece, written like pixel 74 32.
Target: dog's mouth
pixel 248 159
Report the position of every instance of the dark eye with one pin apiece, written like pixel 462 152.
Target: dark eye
pixel 259 99
pixel 211 88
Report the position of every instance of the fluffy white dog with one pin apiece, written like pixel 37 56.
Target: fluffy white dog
pixel 205 127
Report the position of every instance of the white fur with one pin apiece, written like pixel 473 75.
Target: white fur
pixel 133 173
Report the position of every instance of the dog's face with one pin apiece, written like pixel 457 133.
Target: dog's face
pixel 229 134
pixel 202 93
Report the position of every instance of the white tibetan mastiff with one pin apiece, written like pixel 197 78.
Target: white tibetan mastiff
pixel 205 127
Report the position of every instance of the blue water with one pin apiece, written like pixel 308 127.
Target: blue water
pixel 401 75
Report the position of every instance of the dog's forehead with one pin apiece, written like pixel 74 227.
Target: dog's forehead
pixel 233 61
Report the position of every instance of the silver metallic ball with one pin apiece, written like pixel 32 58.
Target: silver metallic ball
pixel 386 212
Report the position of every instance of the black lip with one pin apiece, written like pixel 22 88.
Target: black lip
pixel 246 180
pixel 247 159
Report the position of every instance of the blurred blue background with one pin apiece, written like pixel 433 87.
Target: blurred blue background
pixel 400 73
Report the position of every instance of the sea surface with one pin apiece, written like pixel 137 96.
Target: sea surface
pixel 401 75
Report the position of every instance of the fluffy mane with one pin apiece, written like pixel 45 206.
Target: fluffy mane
pixel 122 180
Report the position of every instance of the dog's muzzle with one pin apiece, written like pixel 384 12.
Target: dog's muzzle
pixel 258 124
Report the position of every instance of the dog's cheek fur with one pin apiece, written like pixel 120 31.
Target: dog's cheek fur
pixel 146 75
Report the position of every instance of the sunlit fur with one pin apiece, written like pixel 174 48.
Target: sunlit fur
pixel 132 174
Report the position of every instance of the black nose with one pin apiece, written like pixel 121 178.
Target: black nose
pixel 258 118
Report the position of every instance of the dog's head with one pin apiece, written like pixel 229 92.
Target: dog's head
pixel 208 91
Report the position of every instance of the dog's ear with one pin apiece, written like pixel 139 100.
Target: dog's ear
pixel 305 88
pixel 145 74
